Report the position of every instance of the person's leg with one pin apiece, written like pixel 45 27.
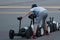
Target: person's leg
pixel 36 22
pixel 35 28
pixel 34 31
pixel 44 24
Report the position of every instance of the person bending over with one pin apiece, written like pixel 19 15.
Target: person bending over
pixel 41 14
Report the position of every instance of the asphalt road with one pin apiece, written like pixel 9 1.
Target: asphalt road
pixel 8 17
pixel 9 21
pixel 29 2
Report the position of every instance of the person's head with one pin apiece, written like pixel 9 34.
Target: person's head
pixel 34 5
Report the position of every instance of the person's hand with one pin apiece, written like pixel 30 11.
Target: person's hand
pixel 32 16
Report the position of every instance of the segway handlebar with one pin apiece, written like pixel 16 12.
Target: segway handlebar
pixel 32 16
pixel 19 18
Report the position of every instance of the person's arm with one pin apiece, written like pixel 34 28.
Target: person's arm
pixel 20 17
pixel 30 12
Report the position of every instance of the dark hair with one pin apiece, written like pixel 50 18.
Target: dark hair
pixel 34 5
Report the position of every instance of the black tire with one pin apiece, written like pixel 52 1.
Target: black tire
pixel 22 32
pixel 50 25
pixel 29 33
pixel 54 27
pixel 11 34
pixel 58 29
pixel 38 32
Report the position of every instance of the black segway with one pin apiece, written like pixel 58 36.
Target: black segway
pixel 21 30
pixel 29 31
pixel 54 26
pixel 26 32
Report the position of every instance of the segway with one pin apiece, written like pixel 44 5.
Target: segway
pixel 25 31
pixel 40 30
pixel 21 30
pixel 54 26
pixel 29 31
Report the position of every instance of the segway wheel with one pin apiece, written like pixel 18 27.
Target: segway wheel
pixel 11 34
pixel 49 29
pixel 58 29
pixel 22 32
pixel 42 31
pixel 29 33
pixel 54 27
pixel 38 32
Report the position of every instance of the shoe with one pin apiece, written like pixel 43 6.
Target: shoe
pixel 34 36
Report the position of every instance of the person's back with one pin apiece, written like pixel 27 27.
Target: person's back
pixel 38 10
